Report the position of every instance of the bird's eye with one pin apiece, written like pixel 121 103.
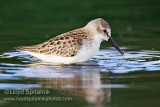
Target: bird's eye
pixel 104 31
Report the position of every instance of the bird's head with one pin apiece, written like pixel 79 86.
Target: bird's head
pixel 101 30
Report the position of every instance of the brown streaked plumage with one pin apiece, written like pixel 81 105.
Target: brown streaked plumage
pixel 65 45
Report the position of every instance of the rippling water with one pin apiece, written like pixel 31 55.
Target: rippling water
pixel 93 81
pixel 105 61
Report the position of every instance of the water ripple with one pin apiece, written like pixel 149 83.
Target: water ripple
pixel 105 61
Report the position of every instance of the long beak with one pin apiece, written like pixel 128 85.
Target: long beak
pixel 112 42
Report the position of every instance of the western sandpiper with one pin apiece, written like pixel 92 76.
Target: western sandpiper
pixel 75 46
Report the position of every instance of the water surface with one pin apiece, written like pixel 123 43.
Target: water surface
pixel 107 79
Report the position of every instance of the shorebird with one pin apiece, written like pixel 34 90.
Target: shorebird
pixel 75 46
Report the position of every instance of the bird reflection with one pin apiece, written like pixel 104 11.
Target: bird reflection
pixel 81 79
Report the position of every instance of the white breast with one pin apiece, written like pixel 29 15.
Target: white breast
pixel 88 51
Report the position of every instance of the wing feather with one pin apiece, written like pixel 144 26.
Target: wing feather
pixel 66 45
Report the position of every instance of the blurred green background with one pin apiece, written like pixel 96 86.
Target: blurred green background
pixel 28 22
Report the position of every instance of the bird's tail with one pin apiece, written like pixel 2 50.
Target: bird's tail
pixel 20 48
pixel 26 48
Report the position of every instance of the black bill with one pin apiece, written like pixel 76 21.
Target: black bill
pixel 112 42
